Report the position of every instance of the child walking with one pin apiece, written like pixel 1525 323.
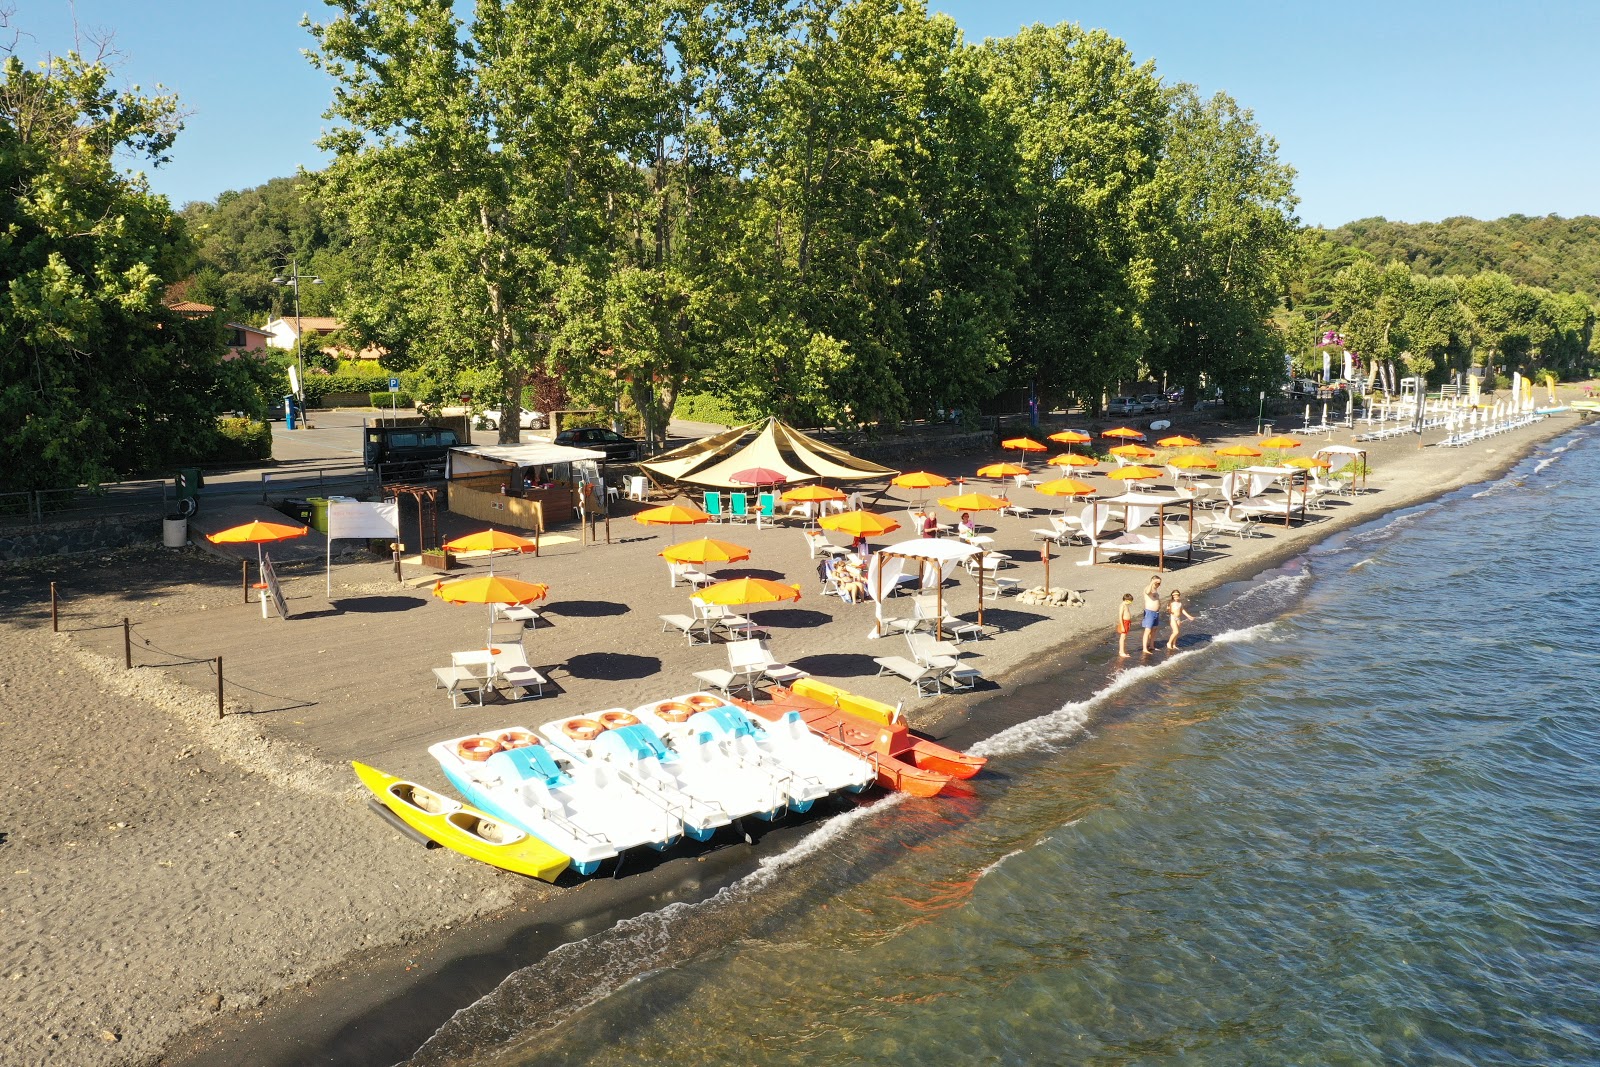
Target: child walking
pixel 1124 624
pixel 1176 614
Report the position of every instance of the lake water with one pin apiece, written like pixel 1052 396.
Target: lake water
pixel 1362 831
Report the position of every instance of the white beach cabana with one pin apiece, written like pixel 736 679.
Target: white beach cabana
pixel 1343 455
pixel 1137 509
pixel 888 564
pixel 1263 478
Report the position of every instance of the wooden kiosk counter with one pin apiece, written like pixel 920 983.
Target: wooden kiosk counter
pixel 527 487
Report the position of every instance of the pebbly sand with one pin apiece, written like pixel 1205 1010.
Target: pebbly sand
pixel 181 888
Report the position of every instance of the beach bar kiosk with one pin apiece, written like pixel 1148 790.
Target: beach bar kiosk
pixel 530 486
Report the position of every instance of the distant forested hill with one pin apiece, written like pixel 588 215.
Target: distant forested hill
pixel 1551 252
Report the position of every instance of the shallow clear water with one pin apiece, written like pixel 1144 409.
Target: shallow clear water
pixel 1361 833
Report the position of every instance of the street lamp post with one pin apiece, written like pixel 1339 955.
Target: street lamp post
pixel 293 281
pixel 1261 412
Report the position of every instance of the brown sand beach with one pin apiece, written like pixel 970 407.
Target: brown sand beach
pixel 187 888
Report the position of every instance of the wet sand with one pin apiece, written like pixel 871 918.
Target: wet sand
pixel 184 889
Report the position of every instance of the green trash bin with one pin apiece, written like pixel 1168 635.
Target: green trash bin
pixel 187 485
pixel 319 513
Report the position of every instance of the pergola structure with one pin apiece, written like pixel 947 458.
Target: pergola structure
pixel 1137 509
pixel 889 563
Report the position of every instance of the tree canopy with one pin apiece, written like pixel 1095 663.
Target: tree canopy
pixel 97 377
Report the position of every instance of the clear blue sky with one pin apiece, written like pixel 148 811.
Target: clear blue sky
pixel 1411 109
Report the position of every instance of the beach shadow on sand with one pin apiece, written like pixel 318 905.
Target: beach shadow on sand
pixel 791 618
pixel 612 666
pixel 586 609
pixel 375 604
pixel 837 665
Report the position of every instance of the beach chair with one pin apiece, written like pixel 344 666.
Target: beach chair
pixel 527 683
pixel 922 678
pixel 766 510
pixel 459 680
pixel 692 629
pixel 507 633
pixel 817 543
pixel 753 654
pixel 519 613
pixel 739 507
pixel 714 506
pixel 685 572
pixel 725 682
pixel 930 652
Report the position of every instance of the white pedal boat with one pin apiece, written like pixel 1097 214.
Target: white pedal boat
pixel 583 809
pixel 803 765
pixel 703 793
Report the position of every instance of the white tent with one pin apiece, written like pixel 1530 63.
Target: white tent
pixel 889 563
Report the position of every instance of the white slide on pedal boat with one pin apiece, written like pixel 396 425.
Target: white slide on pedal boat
pixel 582 809
pixel 701 793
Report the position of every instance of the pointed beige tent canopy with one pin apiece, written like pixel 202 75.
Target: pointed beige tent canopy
pixel 712 461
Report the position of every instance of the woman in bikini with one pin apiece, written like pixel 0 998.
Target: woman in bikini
pixel 1176 614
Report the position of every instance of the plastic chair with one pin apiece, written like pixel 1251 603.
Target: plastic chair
pixel 739 507
pixel 714 506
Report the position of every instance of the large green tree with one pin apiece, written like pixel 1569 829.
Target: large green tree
pixel 97 377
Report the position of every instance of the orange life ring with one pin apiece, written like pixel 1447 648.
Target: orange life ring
pixel 583 729
pixel 700 702
pixel 675 711
pixel 515 739
pixel 477 748
pixel 614 719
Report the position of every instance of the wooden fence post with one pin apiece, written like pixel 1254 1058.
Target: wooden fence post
pixel 244 578
pixel 54 618
pixel 127 645
pixel 219 687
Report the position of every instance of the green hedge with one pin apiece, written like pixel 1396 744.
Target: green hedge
pixel 385 399
pixel 241 441
pixel 319 385
pixel 708 407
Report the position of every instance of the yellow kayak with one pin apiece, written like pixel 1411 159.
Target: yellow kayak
pixel 462 828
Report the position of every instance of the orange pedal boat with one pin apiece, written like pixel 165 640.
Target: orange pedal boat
pixel 904 761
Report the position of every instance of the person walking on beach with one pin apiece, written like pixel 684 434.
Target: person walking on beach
pixel 1124 624
pixel 1152 613
pixel 1176 614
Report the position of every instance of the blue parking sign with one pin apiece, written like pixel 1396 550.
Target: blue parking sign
pixel 394 385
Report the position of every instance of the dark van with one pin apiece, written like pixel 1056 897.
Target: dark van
pixel 408 451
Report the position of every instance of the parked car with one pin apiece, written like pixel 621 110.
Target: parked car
pixel 1125 405
pixel 408 451
pixel 1155 402
pixel 613 444
pixel 489 419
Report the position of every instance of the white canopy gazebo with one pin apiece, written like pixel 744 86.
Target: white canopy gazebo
pixel 1346 454
pixel 889 563
pixel 1137 509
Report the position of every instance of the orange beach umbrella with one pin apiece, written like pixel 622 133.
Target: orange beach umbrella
pixel 749 591
pixel 705 550
pixel 490 589
pixel 1307 462
pixel 1067 487
pixel 1126 432
pixel 1280 441
pixel 1071 437
pixel 975 502
pixel 490 540
pixel 673 515
pixel 1023 444
pixel 1134 474
pixel 920 480
pixel 1133 451
pixel 1238 450
pixel 257 533
pixel 812 493
pixel 860 524
pixel 1002 470
pixel 1178 441
pixel 1193 462
pixel 1073 459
